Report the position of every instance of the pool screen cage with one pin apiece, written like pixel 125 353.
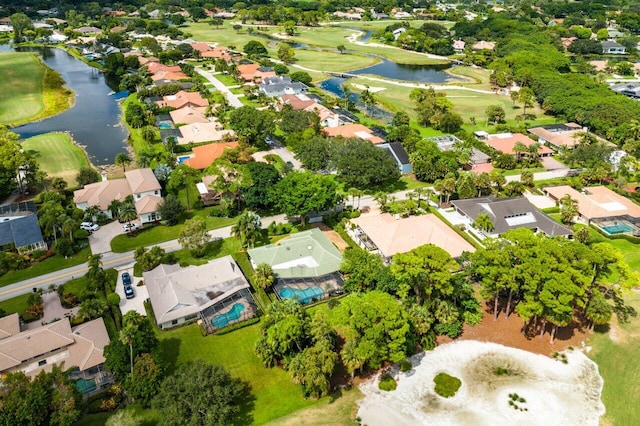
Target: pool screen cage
pixel 634 222
pixel 330 284
pixel 243 296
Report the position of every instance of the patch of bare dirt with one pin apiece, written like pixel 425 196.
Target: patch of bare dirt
pixel 333 236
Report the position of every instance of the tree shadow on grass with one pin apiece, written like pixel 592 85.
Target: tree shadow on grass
pixel 246 404
pixel 170 351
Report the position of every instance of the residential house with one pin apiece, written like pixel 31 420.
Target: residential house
pixel 165 72
pixel 611 47
pixel 201 47
pixel 402 15
pixel 217 52
pixel 567 41
pixel 631 90
pixel 505 143
pixel 477 158
pixel 560 136
pixel 378 15
pixel 397 152
pixel 216 293
pixel 21 230
pixel 183 99
pixel 189 115
pixel 398 32
pixel 204 155
pixel 352 16
pixel 510 213
pixel 597 203
pixel 88 30
pixel 298 101
pixel 57 343
pixel 141 184
pixel 484 45
pixel 355 130
pixel 459 45
pixel 306 266
pixel 146 60
pixel 328 118
pixel 255 72
pixel 203 132
pixel 387 235
pixel 281 85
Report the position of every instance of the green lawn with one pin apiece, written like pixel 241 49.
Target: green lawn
pixel 630 252
pixel 162 233
pixel 21 77
pixel 617 361
pixel 276 395
pixel 52 264
pixel 57 155
pixel 16 304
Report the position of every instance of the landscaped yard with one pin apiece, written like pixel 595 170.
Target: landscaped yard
pixel 162 233
pixel 57 155
pixel 276 395
pixel 52 264
pixel 16 304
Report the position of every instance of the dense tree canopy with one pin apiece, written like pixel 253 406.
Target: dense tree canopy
pixel 300 193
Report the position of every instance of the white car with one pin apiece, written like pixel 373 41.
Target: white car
pixel 128 227
pixel 89 226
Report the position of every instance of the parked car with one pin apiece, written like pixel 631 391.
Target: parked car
pixel 128 227
pixel 89 226
pixel 126 279
pixel 129 292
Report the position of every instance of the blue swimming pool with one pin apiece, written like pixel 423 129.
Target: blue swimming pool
pixel 86 385
pixel 303 296
pixel 182 158
pixel 223 320
pixel 165 126
pixel 618 228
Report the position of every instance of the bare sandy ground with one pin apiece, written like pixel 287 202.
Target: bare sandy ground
pixel 555 393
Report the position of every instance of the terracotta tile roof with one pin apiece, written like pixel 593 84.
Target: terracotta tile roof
pixel 298 102
pixel 182 99
pixel 201 47
pixel 9 326
pixel 355 130
pixel 203 132
pixel 189 115
pixel 148 60
pixel 504 142
pixel 205 155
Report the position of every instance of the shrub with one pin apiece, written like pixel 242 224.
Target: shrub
pixel 69 300
pixel 450 330
pixel 237 326
pixel 405 366
pixel 446 385
pixel 387 383
pixel 113 299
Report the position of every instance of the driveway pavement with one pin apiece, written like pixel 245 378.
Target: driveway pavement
pixel 100 241
pixel 551 163
pixel 141 293
pixel 232 98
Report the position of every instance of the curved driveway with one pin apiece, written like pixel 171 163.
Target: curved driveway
pixel 232 98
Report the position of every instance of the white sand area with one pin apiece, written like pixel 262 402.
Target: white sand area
pixel 371 89
pixel 555 393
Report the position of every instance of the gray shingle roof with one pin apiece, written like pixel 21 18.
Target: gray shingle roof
pixel 22 230
pixel 511 213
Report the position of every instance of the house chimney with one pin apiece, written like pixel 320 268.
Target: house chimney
pixel 104 176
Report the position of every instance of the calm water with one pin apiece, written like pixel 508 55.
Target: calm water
pixel 94 120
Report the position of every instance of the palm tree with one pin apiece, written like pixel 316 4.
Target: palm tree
pixel 68 226
pixel 634 128
pixel 114 208
pixel 519 148
pixel 127 212
pixel 448 187
pixel 367 98
pixel 127 336
pixel 526 177
pixel 248 228
pixel 484 223
pixel 59 184
pixel 534 151
pixel 568 208
pixel 122 159
pixel 382 198
pixel 350 358
pixel 264 275
pixel 439 188
pixel 91 212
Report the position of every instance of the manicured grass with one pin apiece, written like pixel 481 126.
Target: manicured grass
pixel 52 264
pixel 25 97
pixel 329 411
pixel 16 304
pixel 57 155
pixel 162 233
pixel 332 61
pixel 630 252
pixel 617 362
pixel 276 395
pixel 226 79
pixel 23 74
pixel 146 417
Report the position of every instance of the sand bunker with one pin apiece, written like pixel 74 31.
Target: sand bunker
pixel 549 392
pixel 371 89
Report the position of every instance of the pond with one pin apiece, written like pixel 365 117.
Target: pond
pixel 94 120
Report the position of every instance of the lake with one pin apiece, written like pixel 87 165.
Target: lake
pixel 94 120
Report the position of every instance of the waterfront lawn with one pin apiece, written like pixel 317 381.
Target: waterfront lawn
pixel 51 264
pixel 275 394
pixel 161 233
pixel 21 77
pixel 57 155
pixel 615 350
